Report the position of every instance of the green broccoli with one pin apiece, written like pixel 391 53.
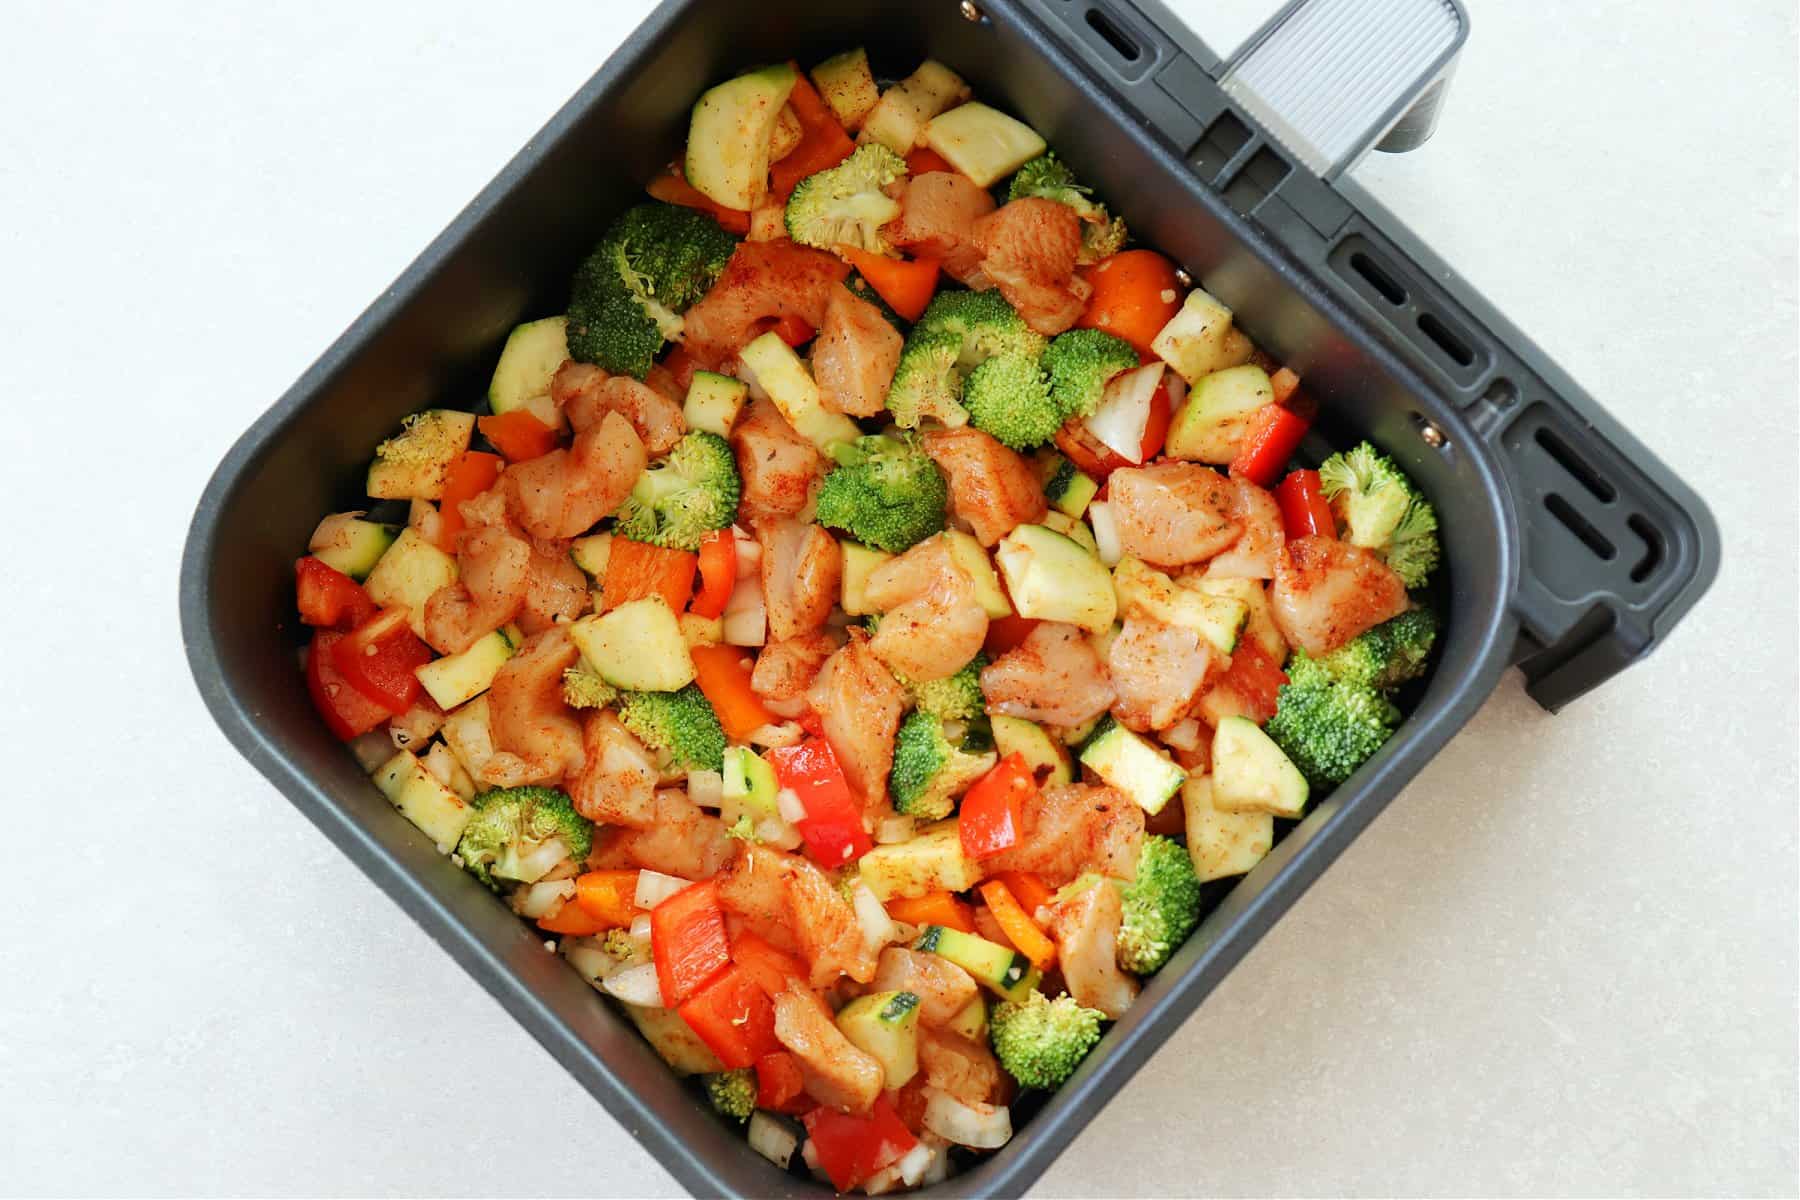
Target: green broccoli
pixel 956 333
pixel 628 950
pixel 1041 1041
pixel 846 203
pixel 519 834
pixel 733 1093
pixel 885 492
pixel 628 295
pixel 1048 178
pixel 1162 906
pixel 928 771
pixel 1382 510
pixel 1328 728
pixel 1008 396
pixel 954 697
pixel 1079 363
pixel 677 502
pixel 680 725
pixel 1388 655
pixel 582 688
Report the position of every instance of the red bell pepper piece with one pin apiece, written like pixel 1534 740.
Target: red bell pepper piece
pixel 833 828
pixel 922 160
pixel 1255 677
pixel 1156 425
pixel 723 674
pixel 473 473
pixel 672 188
pixel 1006 632
pixel 790 329
pixel 823 142
pixel 1087 452
pixel 780 1087
pixel 688 941
pixel 1304 510
pixel 517 434
pixel 718 573
pixel 638 569
pixel 906 284
pixel 1272 440
pixel 378 659
pixel 328 598
pixel 853 1148
pixel 991 820
pixel 347 712
pixel 734 1017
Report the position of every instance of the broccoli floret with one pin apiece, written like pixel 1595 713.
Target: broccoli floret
pixel 518 834
pixel 1048 178
pixel 1008 396
pixel 1041 1041
pixel 885 492
pixel 1079 363
pixel 743 829
pixel 582 688
pixel 680 725
pixel 628 950
pixel 733 1093
pixel 928 771
pixel 1382 510
pixel 954 697
pixel 1388 655
pixel 628 295
pixel 677 502
pixel 956 334
pixel 846 203
pixel 1162 906
pixel 985 322
pixel 425 439
pixel 1328 728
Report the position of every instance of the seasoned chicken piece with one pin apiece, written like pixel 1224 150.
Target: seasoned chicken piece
pixel 587 396
pixel 854 357
pixel 1054 677
pixel 770 888
pixel 1174 512
pixel 967 1070
pixel 938 214
pixel 617 781
pixel 785 670
pixel 992 487
pixel 493 576
pixel 932 623
pixel 1075 828
pixel 555 588
pixel 664 383
pixel 859 705
pixel 563 493
pixel 802 569
pixel 1326 592
pixel 682 839
pixel 536 736
pixel 1086 929
pixel 943 988
pixel 1029 248
pixel 762 280
pixel 837 1073
pixel 1254 554
pixel 1158 671
pixel 779 468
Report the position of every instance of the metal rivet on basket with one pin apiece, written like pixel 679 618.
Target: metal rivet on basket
pixel 1431 435
pixel 969 11
pixel 1183 278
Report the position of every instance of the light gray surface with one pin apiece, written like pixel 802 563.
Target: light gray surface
pixel 1563 961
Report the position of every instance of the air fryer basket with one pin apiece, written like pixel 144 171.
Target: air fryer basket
pixel 1570 550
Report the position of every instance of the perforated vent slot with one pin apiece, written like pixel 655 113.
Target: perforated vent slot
pixel 1577 466
pixel 1579 525
pixel 1122 43
pixel 1446 339
pixel 1380 280
pixel 1219 145
pixel 1416 311
pixel 1653 548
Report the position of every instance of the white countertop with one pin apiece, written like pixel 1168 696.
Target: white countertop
pixel 1562 962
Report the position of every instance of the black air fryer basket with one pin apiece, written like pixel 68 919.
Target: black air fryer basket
pixel 1570 549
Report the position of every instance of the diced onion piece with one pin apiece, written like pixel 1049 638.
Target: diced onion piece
pixel 809 1154
pixel 1183 735
pixel 749 553
pixel 586 956
pixel 653 887
pixel 541 899
pixel 915 1162
pixel 787 803
pixel 939 1168
pixel 897 828
pixel 980 1128
pixel 787 733
pixel 706 788
pixel 1106 532
pixel 773 831
pixel 637 985
pixel 640 928
pixel 745 594
pixel 746 628
pixel 773 1138
pixel 1125 410
pixel 877 927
